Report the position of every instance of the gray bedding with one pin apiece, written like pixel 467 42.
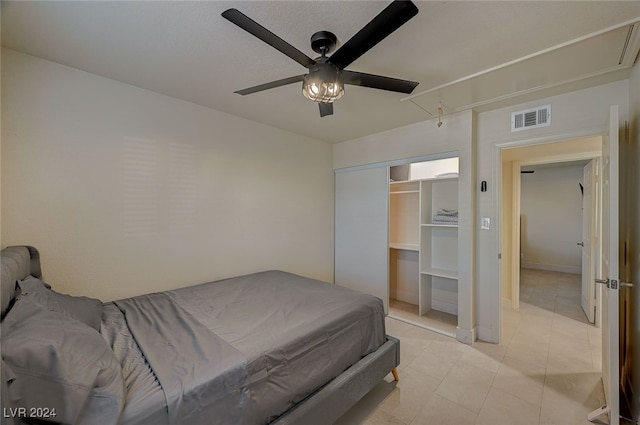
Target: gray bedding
pixel 145 402
pixel 242 350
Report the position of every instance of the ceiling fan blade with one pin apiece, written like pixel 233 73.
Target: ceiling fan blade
pixel 271 85
pixel 377 82
pixel 252 27
pixel 325 109
pixel 390 19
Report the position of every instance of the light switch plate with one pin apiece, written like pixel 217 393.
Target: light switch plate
pixel 486 223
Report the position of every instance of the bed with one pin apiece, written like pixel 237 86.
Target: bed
pixel 266 348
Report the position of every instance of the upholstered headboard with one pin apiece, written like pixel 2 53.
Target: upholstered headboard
pixel 18 262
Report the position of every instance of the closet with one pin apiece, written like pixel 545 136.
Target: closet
pixel 423 244
pixel 398 237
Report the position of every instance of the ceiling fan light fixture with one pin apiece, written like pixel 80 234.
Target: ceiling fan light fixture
pixel 323 84
pixel 325 81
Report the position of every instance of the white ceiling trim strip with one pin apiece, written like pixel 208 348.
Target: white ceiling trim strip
pixel 636 41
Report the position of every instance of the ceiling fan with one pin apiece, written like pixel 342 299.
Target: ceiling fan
pixel 327 75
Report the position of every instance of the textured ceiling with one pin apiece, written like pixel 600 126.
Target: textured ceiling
pixel 188 51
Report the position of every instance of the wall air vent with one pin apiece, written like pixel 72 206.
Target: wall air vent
pixel 531 118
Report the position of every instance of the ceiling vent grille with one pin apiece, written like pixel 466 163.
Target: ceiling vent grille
pixel 531 118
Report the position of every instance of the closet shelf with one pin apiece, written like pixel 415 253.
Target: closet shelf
pixel 404 192
pixel 448 274
pixel 405 246
pixel 455 226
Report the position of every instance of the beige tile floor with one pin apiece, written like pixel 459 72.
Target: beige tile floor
pixel 546 372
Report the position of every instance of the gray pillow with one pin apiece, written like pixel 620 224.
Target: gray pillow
pixel 62 364
pixel 84 309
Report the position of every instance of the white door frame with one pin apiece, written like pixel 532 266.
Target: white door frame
pixel 496 314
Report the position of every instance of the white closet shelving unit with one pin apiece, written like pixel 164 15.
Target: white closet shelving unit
pixel 424 255
pixel 438 247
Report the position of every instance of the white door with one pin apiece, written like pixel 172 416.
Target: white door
pixel 610 268
pixel 588 231
pixel 361 231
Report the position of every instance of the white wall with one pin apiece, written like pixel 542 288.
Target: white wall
pixel 126 191
pixel 575 114
pixel 551 213
pixel 411 141
pixel 634 251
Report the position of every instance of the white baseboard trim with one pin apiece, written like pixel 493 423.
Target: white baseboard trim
pixel 466 336
pixel 552 267
pixel 422 325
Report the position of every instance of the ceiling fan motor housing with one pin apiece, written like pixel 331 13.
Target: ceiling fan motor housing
pixel 323 42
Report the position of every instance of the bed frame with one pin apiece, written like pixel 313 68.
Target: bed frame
pixel 323 407
pixel 333 400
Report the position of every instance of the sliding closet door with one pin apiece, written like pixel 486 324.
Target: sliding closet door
pixel 361 230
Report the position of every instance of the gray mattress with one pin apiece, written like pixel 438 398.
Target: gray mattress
pixel 242 350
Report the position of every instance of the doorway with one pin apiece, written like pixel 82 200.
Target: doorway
pixel 514 161
pixel 542 292
pixel 557 229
